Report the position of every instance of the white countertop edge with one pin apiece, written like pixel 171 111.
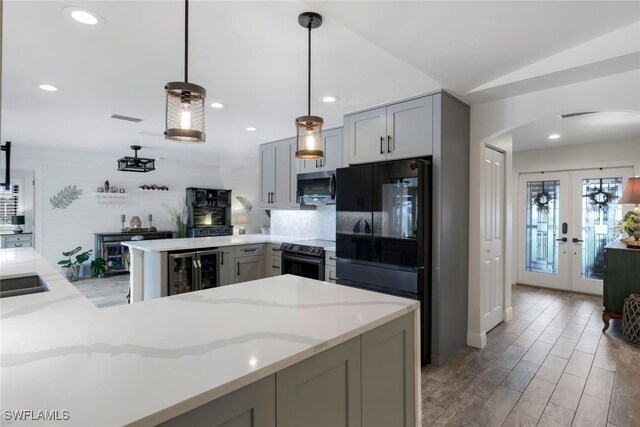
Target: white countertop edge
pixel 164 245
pixel 245 380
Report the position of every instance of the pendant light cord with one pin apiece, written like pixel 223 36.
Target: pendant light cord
pixel 186 41
pixel 309 71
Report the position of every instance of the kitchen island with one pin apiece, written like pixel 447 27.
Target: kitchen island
pixel 283 351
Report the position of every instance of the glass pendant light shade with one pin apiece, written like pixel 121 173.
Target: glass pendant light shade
pixel 310 142
pixel 185 112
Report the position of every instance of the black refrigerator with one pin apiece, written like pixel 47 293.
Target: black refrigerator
pixel 383 232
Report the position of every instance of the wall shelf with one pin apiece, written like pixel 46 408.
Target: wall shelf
pixel 110 199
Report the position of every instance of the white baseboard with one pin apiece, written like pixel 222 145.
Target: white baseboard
pixel 476 340
pixel 508 314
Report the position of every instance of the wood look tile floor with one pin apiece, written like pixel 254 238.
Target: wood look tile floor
pixel 550 366
pixel 106 292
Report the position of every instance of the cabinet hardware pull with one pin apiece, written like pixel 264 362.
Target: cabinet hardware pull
pixel 332 258
pixel 221 258
pixel 275 266
pixel 17 245
pixel 238 269
pixel 388 143
pixel 250 250
pixel 381 142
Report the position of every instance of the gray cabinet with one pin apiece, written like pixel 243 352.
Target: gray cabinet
pixel 330 267
pixel 250 406
pixel 274 258
pixel 388 386
pixel 226 265
pixel 16 240
pixel 333 153
pixel 277 168
pixel 323 390
pixel 398 131
pixel 249 263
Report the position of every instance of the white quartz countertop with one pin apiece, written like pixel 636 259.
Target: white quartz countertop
pixel 164 245
pixel 147 362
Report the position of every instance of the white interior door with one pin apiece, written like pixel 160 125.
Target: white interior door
pixel 543 235
pixel 594 214
pixel 565 220
pixel 492 264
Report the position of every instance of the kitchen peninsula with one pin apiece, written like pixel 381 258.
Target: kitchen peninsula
pixel 149 259
pixel 283 350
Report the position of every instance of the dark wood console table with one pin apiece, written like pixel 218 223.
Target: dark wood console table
pixel 107 246
pixel 621 279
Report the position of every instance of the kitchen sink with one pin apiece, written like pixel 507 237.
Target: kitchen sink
pixel 23 285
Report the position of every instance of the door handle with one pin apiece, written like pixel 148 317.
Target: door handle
pixel 564 239
pixel 221 258
pixel 381 142
pixel 238 269
pixel 388 143
pixel 576 240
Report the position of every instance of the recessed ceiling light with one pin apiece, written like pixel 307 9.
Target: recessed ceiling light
pixel 84 16
pixel 48 87
pixel 329 99
pixel 217 105
pixel 252 129
pixel 554 136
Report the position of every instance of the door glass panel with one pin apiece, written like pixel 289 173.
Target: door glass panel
pixel 543 216
pixel 600 213
pixel 181 274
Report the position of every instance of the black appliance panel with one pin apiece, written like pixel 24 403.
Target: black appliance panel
pixel 399 193
pixel 311 267
pixel 354 192
pixel 381 277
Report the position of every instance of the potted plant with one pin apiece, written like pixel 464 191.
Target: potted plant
pixel 99 266
pixel 72 267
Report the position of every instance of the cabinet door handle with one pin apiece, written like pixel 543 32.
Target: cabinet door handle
pixel 381 142
pixel 275 266
pixel 221 258
pixel 388 143
pixel 238 269
pixel 250 250
pixel 332 258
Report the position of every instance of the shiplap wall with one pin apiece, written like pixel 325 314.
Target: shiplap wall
pixel 58 230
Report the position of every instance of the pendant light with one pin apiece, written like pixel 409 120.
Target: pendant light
pixel 310 143
pixel 185 102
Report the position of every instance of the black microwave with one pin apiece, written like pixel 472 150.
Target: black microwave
pixel 317 188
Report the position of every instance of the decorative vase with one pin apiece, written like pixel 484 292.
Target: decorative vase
pixel 71 273
pixel 135 222
pixel 182 230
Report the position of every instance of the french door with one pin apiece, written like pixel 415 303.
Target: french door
pixel 565 220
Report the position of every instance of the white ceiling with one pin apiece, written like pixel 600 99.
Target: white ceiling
pixel 252 57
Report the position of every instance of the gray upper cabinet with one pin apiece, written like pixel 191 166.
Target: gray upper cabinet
pixel 398 131
pixel 277 170
pixel 333 151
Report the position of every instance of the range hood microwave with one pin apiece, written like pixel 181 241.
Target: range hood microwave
pixel 317 188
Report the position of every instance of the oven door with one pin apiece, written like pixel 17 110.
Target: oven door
pixel 304 266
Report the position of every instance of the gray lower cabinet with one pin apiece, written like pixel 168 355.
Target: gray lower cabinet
pixel 368 381
pixel 388 387
pixel 249 268
pixel 324 390
pixel 251 406
pixel 226 264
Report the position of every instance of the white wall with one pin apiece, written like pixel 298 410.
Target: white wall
pixel 57 230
